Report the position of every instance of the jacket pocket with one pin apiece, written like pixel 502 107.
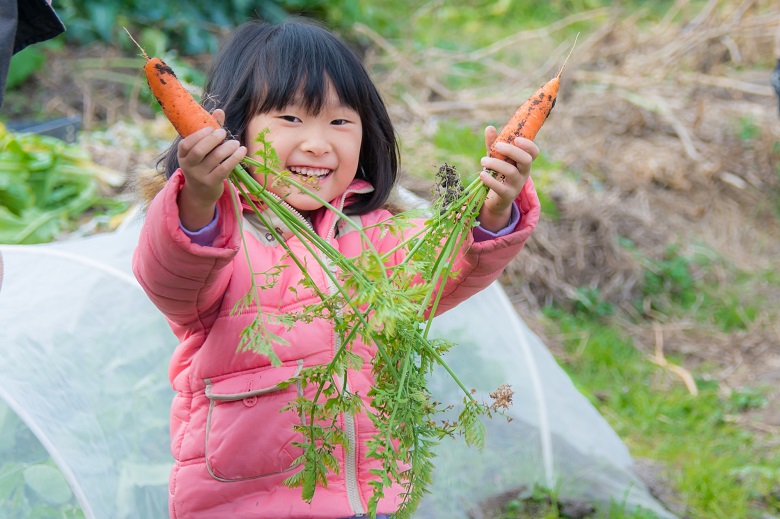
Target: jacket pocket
pixel 248 435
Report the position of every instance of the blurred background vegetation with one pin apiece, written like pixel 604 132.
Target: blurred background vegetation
pixel 197 29
pixel 652 275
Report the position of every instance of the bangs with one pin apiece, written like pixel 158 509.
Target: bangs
pixel 264 67
pixel 298 67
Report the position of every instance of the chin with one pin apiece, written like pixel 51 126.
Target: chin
pixel 303 203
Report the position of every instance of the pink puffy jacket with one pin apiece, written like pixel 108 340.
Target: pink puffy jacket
pixel 232 445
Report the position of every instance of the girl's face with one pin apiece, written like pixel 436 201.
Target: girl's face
pixel 321 151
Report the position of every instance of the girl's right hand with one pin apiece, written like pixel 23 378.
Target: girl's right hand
pixel 206 160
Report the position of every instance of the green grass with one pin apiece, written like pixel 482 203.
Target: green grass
pixel 461 145
pixel 469 24
pixel 685 285
pixel 716 467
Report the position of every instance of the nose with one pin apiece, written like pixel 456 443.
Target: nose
pixel 315 143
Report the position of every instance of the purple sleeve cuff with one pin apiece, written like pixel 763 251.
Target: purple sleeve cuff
pixel 481 234
pixel 206 235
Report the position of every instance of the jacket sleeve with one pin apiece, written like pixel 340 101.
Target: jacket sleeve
pixel 481 263
pixel 478 264
pixel 184 280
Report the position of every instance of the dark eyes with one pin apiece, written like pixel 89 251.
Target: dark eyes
pixel 294 119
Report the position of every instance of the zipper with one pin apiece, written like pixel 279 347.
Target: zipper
pixel 350 457
pixel 350 469
pixel 350 461
pixel 350 464
pixel 332 231
pixel 291 209
pixel 257 226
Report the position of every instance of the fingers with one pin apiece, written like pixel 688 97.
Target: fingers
pixel 528 146
pixel 231 161
pixel 521 143
pixel 506 187
pixel 506 178
pixel 206 151
pixel 196 146
pixel 216 158
pixel 522 154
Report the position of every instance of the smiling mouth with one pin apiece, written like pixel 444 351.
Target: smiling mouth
pixel 310 172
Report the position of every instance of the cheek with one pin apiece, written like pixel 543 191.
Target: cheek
pixel 265 152
pixel 256 128
pixel 353 149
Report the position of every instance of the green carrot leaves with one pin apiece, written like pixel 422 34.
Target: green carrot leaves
pixel 386 300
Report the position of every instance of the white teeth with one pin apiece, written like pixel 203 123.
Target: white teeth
pixel 309 172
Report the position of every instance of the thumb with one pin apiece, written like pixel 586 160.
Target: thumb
pixel 490 136
pixel 219 115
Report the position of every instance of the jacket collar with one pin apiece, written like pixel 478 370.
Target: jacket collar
pixel 323 220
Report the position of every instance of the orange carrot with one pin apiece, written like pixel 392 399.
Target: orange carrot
pixel 531 115
pixel 181 109
pixel 184 112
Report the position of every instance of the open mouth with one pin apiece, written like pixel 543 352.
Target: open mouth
pixel 309 172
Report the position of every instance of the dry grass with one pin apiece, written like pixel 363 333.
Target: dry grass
pixel 651 122
pixel 672 134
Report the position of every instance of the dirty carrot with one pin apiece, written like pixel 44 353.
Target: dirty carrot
pixel 531 115
pixel 181 109
pixel 184 112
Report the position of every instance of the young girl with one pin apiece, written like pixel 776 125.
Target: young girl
pixel 233 446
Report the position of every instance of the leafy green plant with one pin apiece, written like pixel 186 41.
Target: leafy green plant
pixel 678 285
pixel 46 185
pixel 747 398
pixel 31 485
pixel 729 310
pixel 589 302
pixel 399 297
pixel 748 129
pixel 194 30
pixel 670 277
pixel 23 65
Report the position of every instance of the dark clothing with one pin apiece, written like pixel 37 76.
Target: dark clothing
pixel 22 23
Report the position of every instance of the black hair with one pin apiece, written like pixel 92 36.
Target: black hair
pixel 264 67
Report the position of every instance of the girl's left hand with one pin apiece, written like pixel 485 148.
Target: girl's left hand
pixel 509 180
